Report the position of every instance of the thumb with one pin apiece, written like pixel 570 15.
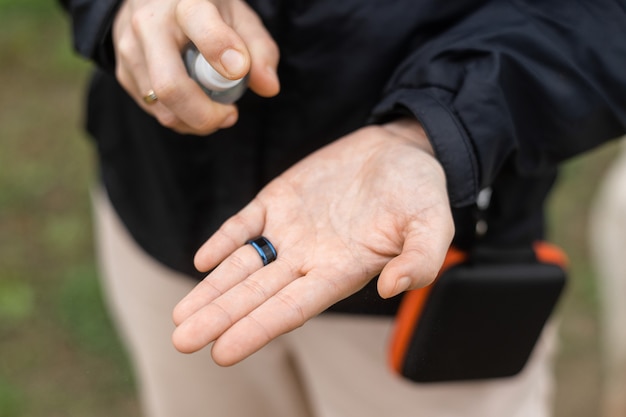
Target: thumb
pixel 417 265
pixel 263 50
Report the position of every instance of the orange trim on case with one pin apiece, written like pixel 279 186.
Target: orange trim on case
pixel 409 311
pixel 548 253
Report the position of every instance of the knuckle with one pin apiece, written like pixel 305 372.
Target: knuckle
pixel 238 262
pixel 207 123
pixel 270 48
pixel 137 21
pixel 124 47
pixel 288 267
pixel 182 11
pixel 140 18
pixel 295 312
pixel 165 88
pixel 235 223
pixel 168 120
pixel 334 287
pixel 225 233
pixel 255 288
pixel 262 330
pixel 428 265
pixel 186 9
pixel 225 314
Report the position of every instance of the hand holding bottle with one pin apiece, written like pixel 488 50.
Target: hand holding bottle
pixel 150 36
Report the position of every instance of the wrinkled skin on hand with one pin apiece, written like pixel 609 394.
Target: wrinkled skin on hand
pixel 372 202
pixel 149 36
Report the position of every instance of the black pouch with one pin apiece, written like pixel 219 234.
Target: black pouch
pixel 481 317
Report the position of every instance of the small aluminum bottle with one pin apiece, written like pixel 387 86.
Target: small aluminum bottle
pixel 214 84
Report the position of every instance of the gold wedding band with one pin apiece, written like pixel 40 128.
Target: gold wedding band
pixel 150 98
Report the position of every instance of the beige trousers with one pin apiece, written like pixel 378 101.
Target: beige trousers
pixel 607 230
pixel 333 366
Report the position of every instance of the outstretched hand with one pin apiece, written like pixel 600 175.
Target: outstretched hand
pixel 371 202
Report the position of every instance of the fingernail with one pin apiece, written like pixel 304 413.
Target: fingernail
pixel 233 62
pixel 402 285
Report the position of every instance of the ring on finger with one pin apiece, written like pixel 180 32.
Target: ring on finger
pixel 264 248
pixel 150 97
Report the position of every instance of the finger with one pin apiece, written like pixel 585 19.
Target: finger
pixel 222 47
pixel 237 267
pixel 131 71
pixel 263 51
pixel 234 233
pixel 419 262
pixel 211 320
pixel 289 309
pixel 132 74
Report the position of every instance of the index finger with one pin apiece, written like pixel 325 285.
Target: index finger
pixel 233 234
pixel 220 44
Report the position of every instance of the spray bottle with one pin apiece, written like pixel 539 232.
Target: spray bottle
pixel 214 84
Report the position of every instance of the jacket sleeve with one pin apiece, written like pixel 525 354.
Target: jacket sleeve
pixel 527 82
pixel 91 29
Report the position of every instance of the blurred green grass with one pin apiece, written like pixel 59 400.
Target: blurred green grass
pixel 59 354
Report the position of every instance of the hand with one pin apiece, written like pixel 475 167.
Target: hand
pixel 149 36
pixel 372 201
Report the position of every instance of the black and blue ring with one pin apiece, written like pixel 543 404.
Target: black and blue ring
pixel 264 248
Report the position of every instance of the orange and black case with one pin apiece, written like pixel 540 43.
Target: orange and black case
pixel 481 317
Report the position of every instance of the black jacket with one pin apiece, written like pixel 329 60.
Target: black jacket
pixel 505 90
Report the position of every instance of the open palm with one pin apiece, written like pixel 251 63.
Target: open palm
pixel 372 202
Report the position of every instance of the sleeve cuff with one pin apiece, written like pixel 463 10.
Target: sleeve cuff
pixel 92 23
pixel 452 146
